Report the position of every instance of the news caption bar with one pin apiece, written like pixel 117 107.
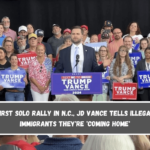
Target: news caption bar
pixel 73 118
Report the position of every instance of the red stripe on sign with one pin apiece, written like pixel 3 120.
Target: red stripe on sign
pixel 66 77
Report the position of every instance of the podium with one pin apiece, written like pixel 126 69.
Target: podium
pixel 83 85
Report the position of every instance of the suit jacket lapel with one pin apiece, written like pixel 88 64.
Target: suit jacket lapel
pixel 143 64
pixel 85 57
pixel 69 56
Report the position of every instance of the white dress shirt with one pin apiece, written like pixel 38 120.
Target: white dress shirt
pixel 130 50
pixel 81 56
pixel 87 40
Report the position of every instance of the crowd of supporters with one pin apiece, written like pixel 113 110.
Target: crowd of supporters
pixel 38 75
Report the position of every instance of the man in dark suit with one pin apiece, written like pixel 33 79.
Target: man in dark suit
pixel 127 41
pixel 78 57
pixel 143 65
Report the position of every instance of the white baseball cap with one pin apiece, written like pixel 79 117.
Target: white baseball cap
pixel 22 28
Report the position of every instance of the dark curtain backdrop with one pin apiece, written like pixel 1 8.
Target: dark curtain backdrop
pixel 67 13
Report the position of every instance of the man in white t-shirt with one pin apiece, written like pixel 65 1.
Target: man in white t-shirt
pixel 86 39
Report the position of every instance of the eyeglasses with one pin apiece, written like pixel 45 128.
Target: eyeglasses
pixel 6 21
pixel 41 69
pixel 116 32
pixel 123 50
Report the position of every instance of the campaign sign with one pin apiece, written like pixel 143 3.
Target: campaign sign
pixel 24 59
pixel 143 79
pixel 104 75
pixel 12 79
pixel 96 46
pixel 76 83
pixel 135 57
pixel 128 91
pixel 135 46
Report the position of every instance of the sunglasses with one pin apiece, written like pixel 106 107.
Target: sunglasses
pixel 41 69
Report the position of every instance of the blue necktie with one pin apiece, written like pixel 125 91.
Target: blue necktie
pixel 75 69
pixel 148 67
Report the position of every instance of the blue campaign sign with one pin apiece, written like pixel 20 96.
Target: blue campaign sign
pixel 104 75
pixel 135 57
pixel 76 83
pixel 135 46
pixel 12 79
pixel 96 46
pixel 143 79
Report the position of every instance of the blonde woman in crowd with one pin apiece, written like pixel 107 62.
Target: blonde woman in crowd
pixel 40 70
pixel 108 142
pixel 103 55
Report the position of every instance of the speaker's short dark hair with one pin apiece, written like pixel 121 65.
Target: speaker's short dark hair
pixel 77 27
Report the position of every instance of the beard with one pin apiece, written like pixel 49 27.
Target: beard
pixel 57 33
pixel 76 41
pixel 117 37
pixel 22 48
pixel 6 27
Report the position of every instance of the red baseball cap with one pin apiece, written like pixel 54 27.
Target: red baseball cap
pixel 67 30
pixel 84 26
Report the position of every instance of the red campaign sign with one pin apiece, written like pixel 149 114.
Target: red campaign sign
pixel 128 91
pixel 24 59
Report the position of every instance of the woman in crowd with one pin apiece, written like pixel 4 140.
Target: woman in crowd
pixel 40 70
pixel 67 42
pixel 9 46
pixel 108 142
pixel 134 31
pixel 103 54
pixel 141 142
pixel 121 68
pixel 30 29
pixel 143 45
pixel 15 94
pixel 4 63
pixel 8 38
pixel 144 65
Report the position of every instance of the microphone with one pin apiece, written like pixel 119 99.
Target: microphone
pixel 77 59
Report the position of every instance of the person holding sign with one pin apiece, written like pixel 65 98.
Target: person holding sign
pixel 121 68
pixel 134 31
pixel 4 63
pixel 40 70
pixel 143 45
pixel 103 54
pixel 144 65
pixel 16 94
